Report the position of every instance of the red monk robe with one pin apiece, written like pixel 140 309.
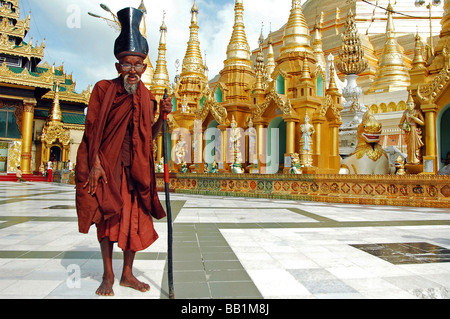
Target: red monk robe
pixel 122 209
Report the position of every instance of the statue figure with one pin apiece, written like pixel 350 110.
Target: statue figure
pixel 411 120
pixel 180 150
pixel 369 156
pixel 160 166
pixel 205 168
pixel 252 146
pixel 306 142
pixel 214 168
pixel 235 139
pixel 183 167
pixel 295 164
pixel 399 166
pixel 184 105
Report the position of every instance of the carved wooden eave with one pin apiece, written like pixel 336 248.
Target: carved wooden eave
pixel 430 92
pixel 320 70
pixel 25 78
pixel 23 50
pixel 276 73
pixel 53 132
pixel 7 13
pixel 280 101
pixel 19 30
pixel 70 96
pixel 328 107
pixel 218 111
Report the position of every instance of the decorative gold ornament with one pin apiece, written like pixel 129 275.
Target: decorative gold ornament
pixel 351 55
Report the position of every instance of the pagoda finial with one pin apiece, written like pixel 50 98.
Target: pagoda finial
pixel 392 74
pixel 193 60
pixel 419 61
pixel 161 77
pixel 296 34
pixel 55 114
pixel 306 75
pixel 238 48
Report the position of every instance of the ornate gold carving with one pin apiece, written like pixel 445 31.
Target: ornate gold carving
pixel 53 132
pixel 285 107
pixel 44 80
pixel 329 105
pixel 14 154
pixel 18 30
pixel 428 92
pixel 219 112
pixel 351 55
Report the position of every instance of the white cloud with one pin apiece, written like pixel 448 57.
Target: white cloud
pixel 87 51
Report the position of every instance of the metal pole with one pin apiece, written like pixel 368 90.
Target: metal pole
pixel 169 210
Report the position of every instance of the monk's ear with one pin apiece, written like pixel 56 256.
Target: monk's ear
pixel 118 67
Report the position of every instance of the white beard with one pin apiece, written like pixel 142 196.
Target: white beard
pixel 130 88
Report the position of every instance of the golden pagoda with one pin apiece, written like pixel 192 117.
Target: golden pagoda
pixel 392 73
pixel 231 95
pixel 29 93
pixel 189 93
pixel 161 80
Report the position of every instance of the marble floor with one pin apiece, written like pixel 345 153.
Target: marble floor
pixel 230 248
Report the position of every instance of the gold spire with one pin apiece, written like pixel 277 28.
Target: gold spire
pixel 317 46
pixel 296 34
pixel 259 65
pixel 270 65
pixel 392 74
pixel 332 87
pixel 55 113
pixel 351 55
pixel 238 48
pixel 147 77
pixel 161 77
pixel 193 61
pixel 418 62
pixel 143 27
pixel 305 69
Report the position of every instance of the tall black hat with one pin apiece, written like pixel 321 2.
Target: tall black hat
pixel 130 41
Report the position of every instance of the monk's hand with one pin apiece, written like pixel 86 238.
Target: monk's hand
pixel 96 175
pixel 165 106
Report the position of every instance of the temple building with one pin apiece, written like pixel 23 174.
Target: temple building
pixel 284 106
pixel 271 99
pixel 396 37
pixel 41 115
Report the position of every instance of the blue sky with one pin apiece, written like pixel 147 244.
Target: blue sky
pixel 85 44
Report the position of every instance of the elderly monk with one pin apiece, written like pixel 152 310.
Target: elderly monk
pixel 115 177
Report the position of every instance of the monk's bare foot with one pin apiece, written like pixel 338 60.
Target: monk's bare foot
pixel 131 282
pixel 105 288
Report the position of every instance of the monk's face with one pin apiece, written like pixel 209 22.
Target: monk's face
pixel 131 68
